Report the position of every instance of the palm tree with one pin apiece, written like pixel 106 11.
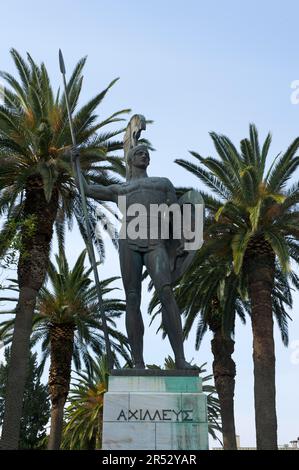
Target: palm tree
pixel 84 415
pixel 211 293
pixel 37 184
pixel 68 325
pixel 255 224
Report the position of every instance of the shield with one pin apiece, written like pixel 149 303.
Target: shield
pixel 181 251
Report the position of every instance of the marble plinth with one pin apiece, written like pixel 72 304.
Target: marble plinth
pixel 155 412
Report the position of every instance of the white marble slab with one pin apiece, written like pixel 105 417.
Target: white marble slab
pixel 152 413
pixel 181 436
pixel 198 403
pixel 155 384
pixel 157 406
pixel 136 384
pixel 114 405
pixel 129 436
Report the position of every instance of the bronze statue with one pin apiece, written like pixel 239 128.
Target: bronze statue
pixel 158 255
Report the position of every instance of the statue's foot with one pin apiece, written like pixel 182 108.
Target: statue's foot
pixel 183 364
pixel 139 365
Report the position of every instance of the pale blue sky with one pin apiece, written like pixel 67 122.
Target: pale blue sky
pixel 192 67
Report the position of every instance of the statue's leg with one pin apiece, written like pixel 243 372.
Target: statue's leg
pixel 157 264
pixel 131 270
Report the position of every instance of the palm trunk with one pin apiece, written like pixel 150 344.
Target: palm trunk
pixel 261 279
pixel 224 371
pixel 56 424
pixel 99 442
pixel 32 269
pixel 62 344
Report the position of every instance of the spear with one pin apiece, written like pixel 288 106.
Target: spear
pixel 90 249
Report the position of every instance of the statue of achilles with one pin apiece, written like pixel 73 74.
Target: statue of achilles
pixel 152 253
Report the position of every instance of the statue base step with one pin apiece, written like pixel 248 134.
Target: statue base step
pixel 155 412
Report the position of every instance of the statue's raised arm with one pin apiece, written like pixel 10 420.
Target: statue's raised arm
pixel 97 191
pixel 101 192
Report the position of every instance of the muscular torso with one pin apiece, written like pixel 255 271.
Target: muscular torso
pixel 146 191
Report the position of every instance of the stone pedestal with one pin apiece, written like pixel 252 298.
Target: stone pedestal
pixel 155 410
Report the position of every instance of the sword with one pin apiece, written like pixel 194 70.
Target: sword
pixel 89 244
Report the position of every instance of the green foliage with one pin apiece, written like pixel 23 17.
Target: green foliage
pixel 250 200
pixel 251 208
pixel 84 415
pixel 36 404
pixel 71 298
pixel 11 239
pixel 211 295
pixel 35 143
